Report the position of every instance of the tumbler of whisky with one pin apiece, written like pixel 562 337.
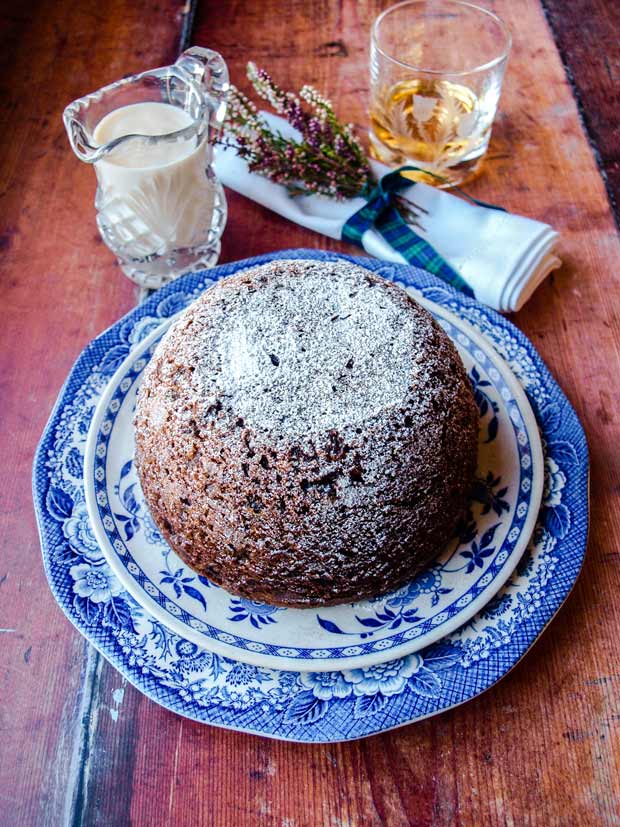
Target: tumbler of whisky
pixel 436 71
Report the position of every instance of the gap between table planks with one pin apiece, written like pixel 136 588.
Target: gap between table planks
pixel 541 747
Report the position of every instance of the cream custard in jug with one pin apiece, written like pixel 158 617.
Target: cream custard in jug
pixel 156 194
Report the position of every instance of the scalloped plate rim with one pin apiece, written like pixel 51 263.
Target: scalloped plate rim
pixel 498 662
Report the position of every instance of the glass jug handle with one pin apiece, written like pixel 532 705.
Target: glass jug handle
pixel 208 69
pixel 78 137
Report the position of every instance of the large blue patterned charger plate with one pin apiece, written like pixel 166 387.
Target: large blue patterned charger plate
pixel 465 577
pixel 313 705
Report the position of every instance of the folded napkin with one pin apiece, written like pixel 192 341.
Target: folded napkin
pixel 502 257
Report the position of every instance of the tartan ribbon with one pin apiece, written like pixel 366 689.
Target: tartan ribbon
pixel 380 212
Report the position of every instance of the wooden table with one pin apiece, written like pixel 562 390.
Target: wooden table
pixel 78 745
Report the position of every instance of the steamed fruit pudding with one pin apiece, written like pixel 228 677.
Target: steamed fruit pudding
pixel 306 434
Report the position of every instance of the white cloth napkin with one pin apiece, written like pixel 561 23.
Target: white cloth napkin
pixel 502 257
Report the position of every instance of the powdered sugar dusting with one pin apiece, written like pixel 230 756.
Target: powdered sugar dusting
pixel 307 348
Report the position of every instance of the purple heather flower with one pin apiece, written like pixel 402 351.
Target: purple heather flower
pixel 309 165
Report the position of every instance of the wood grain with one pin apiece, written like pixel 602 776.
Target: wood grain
pixel 587 37
pixel 540 748
pixel 59 287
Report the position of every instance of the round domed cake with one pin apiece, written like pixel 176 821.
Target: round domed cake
pixel 306 434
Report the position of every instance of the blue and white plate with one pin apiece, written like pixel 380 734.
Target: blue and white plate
pixel 315 705
pixel 354 635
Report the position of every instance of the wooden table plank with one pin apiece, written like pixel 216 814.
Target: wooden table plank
pixel 587 35
pixel 59 288
pixel 542 746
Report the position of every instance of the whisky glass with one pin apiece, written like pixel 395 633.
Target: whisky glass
pixel 436 71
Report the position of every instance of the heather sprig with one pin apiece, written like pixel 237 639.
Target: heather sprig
pixel 327 159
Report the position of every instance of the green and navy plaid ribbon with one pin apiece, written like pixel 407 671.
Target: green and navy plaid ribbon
pixel 379 212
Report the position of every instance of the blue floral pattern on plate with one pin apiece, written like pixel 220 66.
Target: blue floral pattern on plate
pixel 310 706
pixel 467 575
